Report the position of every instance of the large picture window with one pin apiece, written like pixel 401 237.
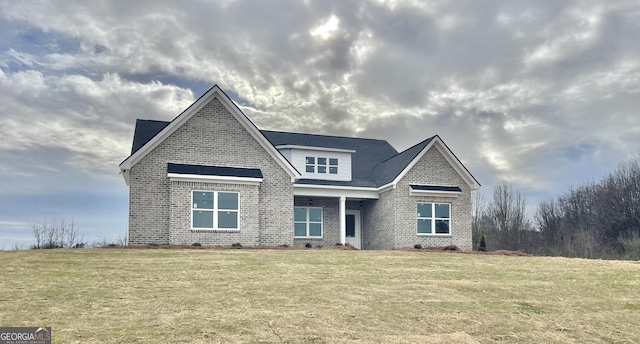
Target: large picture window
pixel 307 222
pixel 214 210
pixel 434 219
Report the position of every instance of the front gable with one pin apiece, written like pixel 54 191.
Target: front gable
pixel 439 156
pixel 214 97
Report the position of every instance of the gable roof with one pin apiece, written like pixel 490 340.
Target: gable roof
pixel 423 147
pixel 389 169
pixel 375 163
pixel 214 92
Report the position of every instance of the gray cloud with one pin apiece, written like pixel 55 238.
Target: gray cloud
pixel 543 94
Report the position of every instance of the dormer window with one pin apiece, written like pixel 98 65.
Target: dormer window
pixel 311 164
pixel 322 165
pixel 319 165
pixel 333 166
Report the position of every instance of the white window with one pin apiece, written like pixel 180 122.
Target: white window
pixel 333 166
pixel 434 219
pixel 319 165
pixel 214 210
pixel 322 165
pixel 307 222
pixel 310 164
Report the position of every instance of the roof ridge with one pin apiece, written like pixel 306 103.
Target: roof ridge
pixel 336 136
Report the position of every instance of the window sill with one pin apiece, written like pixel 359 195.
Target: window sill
pixel 308 238
pixel 434 235
pixel 207 230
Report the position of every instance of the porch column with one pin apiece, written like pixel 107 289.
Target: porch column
pixel 343 223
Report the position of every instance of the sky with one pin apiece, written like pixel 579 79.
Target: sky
pixel 541 94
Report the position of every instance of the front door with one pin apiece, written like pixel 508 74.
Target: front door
pixel 353 228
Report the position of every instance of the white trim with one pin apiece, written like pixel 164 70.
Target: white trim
pixel 212 93
pixel 334 191
pixel 434 219
pixel 448 155
pixel 312 148
pixel 215 211
pixel 307 222
pixel 433 193
pixel 358 229
pixel 214 179
pixel 386 187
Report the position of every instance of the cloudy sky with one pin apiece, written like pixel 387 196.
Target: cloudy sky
pixel 543 94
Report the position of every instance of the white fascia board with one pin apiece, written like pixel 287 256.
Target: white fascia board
pixel 192 110
pixel 386 187
pixel 434 193
pixel 312 148
pixel 334 191
pixel 126 175
pixel 448 155
pixel 213 179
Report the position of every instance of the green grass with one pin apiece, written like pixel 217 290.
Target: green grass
pixel 318 296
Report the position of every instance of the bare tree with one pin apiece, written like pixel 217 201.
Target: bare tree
pixel 507 212
pixel 55 233
pixel 596 219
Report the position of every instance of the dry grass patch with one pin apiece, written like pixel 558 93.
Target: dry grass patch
pixel 318 296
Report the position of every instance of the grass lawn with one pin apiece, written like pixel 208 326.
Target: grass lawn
pixel 318 296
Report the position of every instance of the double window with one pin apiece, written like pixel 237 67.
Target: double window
pixel 434 218
pixel 307 222
pixel 319 165
pixel 214 210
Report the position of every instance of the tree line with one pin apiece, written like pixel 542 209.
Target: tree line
pixel 594 220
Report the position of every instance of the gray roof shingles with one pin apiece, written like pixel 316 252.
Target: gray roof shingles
pixel 375 162
pixel 145 130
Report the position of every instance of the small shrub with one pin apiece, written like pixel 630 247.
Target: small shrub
pixel 417 246
pixel 451 248
pixel 236 245
pixel 483 243
pixel 307 245
pixel 196 244
pixel 47 246
pixel 284 245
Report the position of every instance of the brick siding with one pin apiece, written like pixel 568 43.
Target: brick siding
pixel 211 137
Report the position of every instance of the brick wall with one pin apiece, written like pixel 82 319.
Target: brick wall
pixel 432 169
pixel 211 137
pixel 180 215
pixel 379 222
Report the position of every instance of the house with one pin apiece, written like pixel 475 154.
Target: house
pixel 211 176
